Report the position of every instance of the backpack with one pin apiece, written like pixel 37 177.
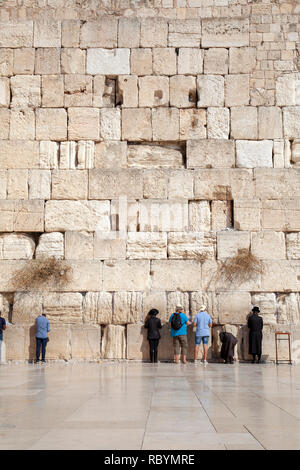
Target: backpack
pixel 176 321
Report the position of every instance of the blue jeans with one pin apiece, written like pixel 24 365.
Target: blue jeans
pixel 41 342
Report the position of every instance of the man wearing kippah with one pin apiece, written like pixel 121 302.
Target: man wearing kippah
pixel 203 323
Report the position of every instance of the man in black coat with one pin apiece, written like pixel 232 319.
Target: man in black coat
pixel 255 324
pixel 153 326
pixel 228 343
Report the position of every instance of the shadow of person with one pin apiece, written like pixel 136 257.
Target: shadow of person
pixel 145 345
pixel 32 344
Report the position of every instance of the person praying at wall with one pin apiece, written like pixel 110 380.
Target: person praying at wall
pixel 153 325
pixel 255 325
pixel 228 344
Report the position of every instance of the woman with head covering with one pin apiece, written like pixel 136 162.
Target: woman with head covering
pixel 255 324
pixel 228 344
pixel 153 326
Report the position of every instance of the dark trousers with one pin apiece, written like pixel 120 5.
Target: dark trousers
pixel 153 343
pixel 258 357
pixel 41 342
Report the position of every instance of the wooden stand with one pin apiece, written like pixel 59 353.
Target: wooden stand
pixel 287 335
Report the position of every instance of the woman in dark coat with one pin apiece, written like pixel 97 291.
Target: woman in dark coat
pixel 255 324
pixel 153 326
pixel 228 343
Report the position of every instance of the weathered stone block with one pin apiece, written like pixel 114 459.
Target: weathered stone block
pixel 83 123
pixel 39 183
pixel 78 90
pixel 129 32
pixel 164 61
pixel 51 124
pixel 3 183
pixel 70 32
pixel 217 123
pixel 190 61
pixel 24 61
pixel 50 245
pixel 229 242
pixel 291 122
pixel 199 216
pixel 225 32
pixel 192 124
pixel 211 153
pixel 247 214
pixel 22 124
pixel 77 215
pixel 281 215
pixel 22 216
pixel 160 216
pixel 210 90
pixel 242 59
pixel 154 299
pixel 154 32
pixel 141 61
pixel 6 62
pixel 4 92
pixel 293 245
pixel 234 307
pixel 281 276
pixel 237 90
pixel 155 184
pixel 100 33
pixel 146 156
pixel 199 245
pixel 177 298
pixel 288 308
pixel 184 33
pixel 113 343
pixel 267 305
pixel 109 246
pixel 276 183
pixel 52 91
pixel 146 245
pixel 243 122
pixel 108 61
pixel 111 155
pixel 69 184
pixel 268 245
pixel 109 184
pixel 26 307
pixel 15 343
pixel 17 184
pixel 127 307
pixel 73 60
pixel 47 33
pixel 165 123
pixel 172 275
pixel 216 61
pixel 180 184
pixel 104 92
pixel 136 124
pixel 85 342
pixel 48 154
pixel 182 91
pixel 127 91
pixel 47 61
pixel 269 122
pixel 223 184
pixel 153 91
pixel 287 90
pixel 128 275
pixel 221 215
pixel 63 307
pixel 16 34
pixel 251 154
pixel 25 91
pixel 16 246
pixel 79 245
pixel 5 120
pixel 110 124
pixel 97 308
pixel 76 155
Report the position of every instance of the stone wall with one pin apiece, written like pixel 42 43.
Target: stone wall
pixel 144 143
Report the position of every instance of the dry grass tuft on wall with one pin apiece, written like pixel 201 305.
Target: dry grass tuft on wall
pixel 42 274
pixel 240 268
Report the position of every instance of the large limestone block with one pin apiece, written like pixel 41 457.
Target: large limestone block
pixel 288 308
pixel 63 307
pixel 288 90
pixel 210 153
pixel 110 124
pixel 243 123
pixel 23 61
pixel 3 184
pixel 155 299
pixel 223 184
pixel 98 308
pixel 180 184
pixel 164 61
pixel 104 92
pixel 146 245
pixel 5 120
pixel 47 61
pixel 51 124
pixel 22 124
pixel 110 155
pixel 221 215
pixel 49 245
pixel 293 245
pixel 76 155
pixel 247 214
pixel 16 34
pixel 100 33
pixel 282 215
pixel 16 246
pixel 237 90
pixel 281 276
pixel 127 307
pixel 4 93
pixel 17 184
pixel 79 245
pixel 26 307
pixel 178 298
pixel 78 90
pixel 269 122
pixel 225 32
pixel 161 216
pixel 77 215
pixel 192 124
pixel 14 338
pixel 165 123
pixel 70 32
pixel 22 216
pixel 109 245
pixel 184 33
pixel 277 183
pixel 200 245
pixel 267 305
pixel 83 123
pixel 190 61
pixel 141 61
pixel 229 242
pixel 127 275
pixel 268 245
pixel 216 61
pixel 129 31
pixel 47 33
pixel 127 91
pixel 210 90
pixel 73 60
pixel 153 91
pixel 39 184
pixel 69 184
pixel 154 32
pixel 26 91
pixel 113 343
pixel 48 154
pixel 172 275
pixel 251 154
pixel 110 184
pixel 59 346
pixel 209 299
pixel 291 122
pixel 108 61
pixel 155 184
pixel 295 153
pixel 242 59
pixel 153 156
pixel 182 91
pixel 85 342
pixel 218 123
pixel 234 307
pixel 136 124
pixel 6 62
pixel 199 216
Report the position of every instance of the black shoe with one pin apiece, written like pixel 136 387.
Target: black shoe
pixel 231 361
pixel 37 361
pixel 258 361
pixel 43 360
pixel 253 362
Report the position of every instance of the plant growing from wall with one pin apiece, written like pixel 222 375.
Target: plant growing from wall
pixel 240 268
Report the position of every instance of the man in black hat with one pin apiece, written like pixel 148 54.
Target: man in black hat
pixel 255 324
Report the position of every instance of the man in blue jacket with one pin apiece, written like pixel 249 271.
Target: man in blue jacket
pixel 42 330
pixel 179 322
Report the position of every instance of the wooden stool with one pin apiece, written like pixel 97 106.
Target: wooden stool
pixel 287 335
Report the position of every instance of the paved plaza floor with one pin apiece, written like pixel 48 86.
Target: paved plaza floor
pixel 124 405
